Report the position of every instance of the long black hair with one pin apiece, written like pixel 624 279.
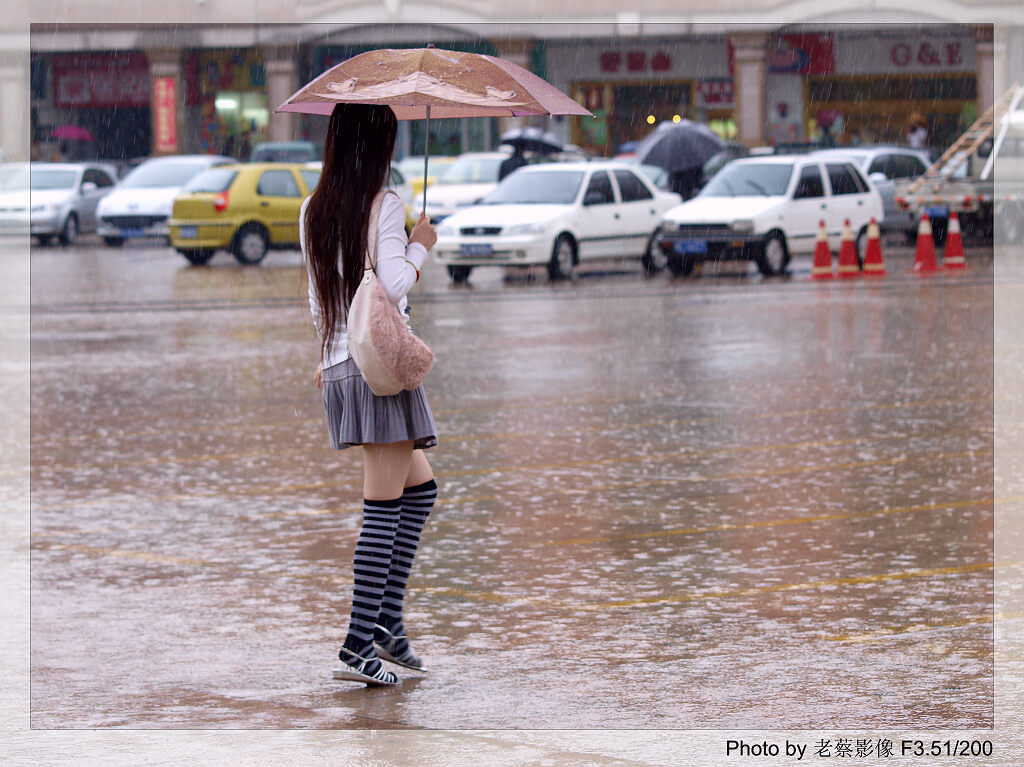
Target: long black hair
pixel 357 164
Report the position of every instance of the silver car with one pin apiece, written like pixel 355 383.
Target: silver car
pixel 140 205
pixel 64 199
pixel 883 164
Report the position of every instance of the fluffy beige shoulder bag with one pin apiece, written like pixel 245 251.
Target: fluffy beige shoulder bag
pixel 389 356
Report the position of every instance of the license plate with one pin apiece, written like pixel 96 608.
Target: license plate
pixel 131 232
pixel 937 212
pixel 476 250
pixel 689 247
pixel 188 232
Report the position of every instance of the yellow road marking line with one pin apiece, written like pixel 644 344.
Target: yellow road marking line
pixel 778 522
pixel 886 632
pixel 284 489
pixel 497 598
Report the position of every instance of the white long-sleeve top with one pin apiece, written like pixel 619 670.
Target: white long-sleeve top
pixel 397 263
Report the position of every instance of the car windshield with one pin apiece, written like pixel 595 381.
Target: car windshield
pixel 163 174
pixel 53 179
pixel 293 153
pixel 472 170
pixel 213 180
pixel 14 178
pixel 538 188
pixel 749 180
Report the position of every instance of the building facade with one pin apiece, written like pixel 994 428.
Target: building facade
pixel 212 86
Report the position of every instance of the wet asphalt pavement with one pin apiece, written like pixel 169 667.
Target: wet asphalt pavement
pixel 723 502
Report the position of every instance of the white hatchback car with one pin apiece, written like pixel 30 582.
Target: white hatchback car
pixel 558 214
pixel 768 209
pixel 140 205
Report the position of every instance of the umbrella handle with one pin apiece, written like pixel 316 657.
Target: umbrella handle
pixel 426 152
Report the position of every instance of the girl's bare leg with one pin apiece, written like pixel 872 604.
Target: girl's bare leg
pixel 385 470
pixel 419 470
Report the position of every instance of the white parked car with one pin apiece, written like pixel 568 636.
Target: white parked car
pixel 140 205
pixel 65 197
pixel 883 165
pixel 558 214
pixel 768 209
pixel 461 184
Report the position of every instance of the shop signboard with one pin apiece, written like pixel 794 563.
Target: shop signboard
pixel 615 61
pixel 799 54
pixel 716 94
pixel 165 115
pixel 97 80
pixel 917 53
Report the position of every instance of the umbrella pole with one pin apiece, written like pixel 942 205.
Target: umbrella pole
pixel 426 152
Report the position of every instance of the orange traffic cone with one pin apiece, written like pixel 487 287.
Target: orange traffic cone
pixel 924 257
pixel 954 245
pixel 822 269
pixel 848 264
pixel 874 266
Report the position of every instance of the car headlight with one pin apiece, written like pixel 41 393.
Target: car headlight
pixel 446 231
pixel 525 229
pixel 743 225
pixel 668 227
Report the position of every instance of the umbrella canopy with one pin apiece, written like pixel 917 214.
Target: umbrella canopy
pixel 72 132
pixel 531 139
pixel 448 83
pixel 678 146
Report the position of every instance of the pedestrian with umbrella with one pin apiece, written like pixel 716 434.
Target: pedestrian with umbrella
pixel 365 96
pixel 680 147
pixel 529 139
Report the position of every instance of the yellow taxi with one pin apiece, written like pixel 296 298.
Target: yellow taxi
pixel 245 209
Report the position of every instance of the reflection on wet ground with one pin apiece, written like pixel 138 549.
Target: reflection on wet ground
pixel 726 502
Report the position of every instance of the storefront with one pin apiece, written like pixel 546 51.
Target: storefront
pixel 106 94
pixel 226 97
pixel 631 86
pixel 870 86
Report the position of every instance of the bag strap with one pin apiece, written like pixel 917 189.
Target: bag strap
pixel 371 231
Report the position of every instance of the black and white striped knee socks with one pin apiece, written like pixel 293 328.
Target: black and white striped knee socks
pixel 416 505
pixel 370 569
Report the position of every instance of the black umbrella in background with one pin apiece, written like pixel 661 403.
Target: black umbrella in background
pixel 679 146
pixel 532 139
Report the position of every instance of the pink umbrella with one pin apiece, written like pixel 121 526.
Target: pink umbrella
pixel 418 83
pixel 72 132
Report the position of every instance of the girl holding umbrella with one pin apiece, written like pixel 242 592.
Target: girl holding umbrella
pixel 365 96
pixel 398 484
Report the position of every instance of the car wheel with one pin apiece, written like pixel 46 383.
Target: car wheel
pixel 654 258
pixel 251 244
pixel 197 256
pixel 459 274
pixel 772 257
pixel 682 266
pixel 114 242
pixel 69 233
pixel 43 239
pixel 563 258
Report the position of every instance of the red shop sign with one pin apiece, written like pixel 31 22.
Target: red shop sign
pixel 165 114
pixel 716 92
pixel 101 80
pixel 635 61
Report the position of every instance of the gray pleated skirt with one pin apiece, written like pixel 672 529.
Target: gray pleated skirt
pixel 357 416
